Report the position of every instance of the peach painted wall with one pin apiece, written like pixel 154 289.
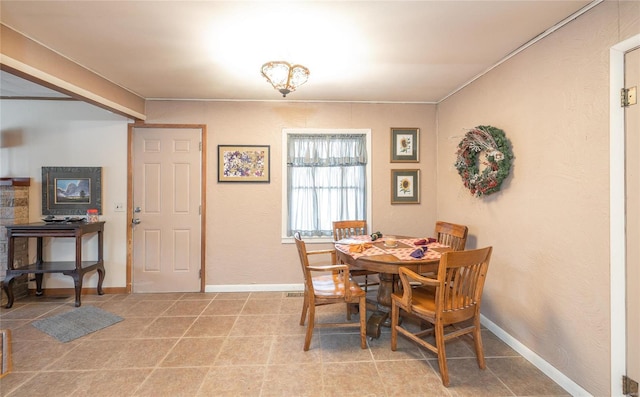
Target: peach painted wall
pixel 244 220
pixel 548 284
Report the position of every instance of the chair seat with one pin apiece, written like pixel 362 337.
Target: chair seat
pixel 332 286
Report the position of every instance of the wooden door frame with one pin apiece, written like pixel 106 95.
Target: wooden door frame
pixel 203 196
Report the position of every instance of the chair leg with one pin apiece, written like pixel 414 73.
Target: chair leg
pixel 363 322
pixel 477 340
pixel 394 324
pixel 305 305
pixel 310 325
pixel 442 355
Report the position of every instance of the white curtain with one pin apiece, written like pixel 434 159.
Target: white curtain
pixel 326 181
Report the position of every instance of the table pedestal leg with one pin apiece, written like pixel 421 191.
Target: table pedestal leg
pixel 388 284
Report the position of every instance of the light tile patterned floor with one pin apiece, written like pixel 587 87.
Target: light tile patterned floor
pixel 240 344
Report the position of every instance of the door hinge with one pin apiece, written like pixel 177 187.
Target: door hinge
pixel 200 273
pixel 200 145
pixel 629 386
pixel 628 97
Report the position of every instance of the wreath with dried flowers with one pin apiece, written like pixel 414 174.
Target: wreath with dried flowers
pixel 496 163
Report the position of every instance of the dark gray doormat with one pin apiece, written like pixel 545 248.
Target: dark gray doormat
pixel 76 323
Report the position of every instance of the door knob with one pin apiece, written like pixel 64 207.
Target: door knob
pixel 136 221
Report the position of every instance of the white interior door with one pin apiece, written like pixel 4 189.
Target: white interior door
pixel 632 166
pixel 166 210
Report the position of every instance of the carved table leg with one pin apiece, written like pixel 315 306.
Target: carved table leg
pixel 7 285
pixel 39 277
pixel 100 279
pixel 77 283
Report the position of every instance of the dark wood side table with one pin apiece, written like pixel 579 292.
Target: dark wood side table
pixel 75 269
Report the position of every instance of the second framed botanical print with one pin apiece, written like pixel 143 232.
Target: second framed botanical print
pixel 405 186
pixel 404 145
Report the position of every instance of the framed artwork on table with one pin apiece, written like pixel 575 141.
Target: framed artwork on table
pixel 404 145
pixel 405 186
pixel 71 190
pixel 244 163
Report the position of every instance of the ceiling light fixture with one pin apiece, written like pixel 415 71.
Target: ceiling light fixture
pixel 285 77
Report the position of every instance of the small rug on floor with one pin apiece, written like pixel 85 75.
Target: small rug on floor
pixel 76 323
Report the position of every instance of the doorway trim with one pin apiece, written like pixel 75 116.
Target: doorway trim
pixel 203 196
pixel 617 245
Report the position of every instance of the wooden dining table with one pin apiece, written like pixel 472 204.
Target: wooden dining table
pixel 360 252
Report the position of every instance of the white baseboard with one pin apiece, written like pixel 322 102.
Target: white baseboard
pixel 561 379
pixel 254 287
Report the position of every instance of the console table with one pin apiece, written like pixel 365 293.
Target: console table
pixel 75 269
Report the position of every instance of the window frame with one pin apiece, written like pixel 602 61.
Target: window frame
pixel 285 181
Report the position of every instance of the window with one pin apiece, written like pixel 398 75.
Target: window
pixel 327 177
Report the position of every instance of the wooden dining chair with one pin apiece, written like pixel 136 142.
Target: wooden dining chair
pixel 332 284
pixel 350 228
pixel 452 299
pixel 455 236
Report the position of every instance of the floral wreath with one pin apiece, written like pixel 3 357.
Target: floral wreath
pixel 497 160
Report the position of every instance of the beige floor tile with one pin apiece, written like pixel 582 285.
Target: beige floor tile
pixel 28 311
pixel 193 352
pixel 148 308
pixel 224 307
pixel 129 328
pixel 175 382
pixel 22 330
pixel 243 344
pixel 523 378
pixel 362 380
pixel 493 346
pixel 112 383
pixel 301 380
pixel 237 381
pixel 255 325
pixel 233 295
pixel 289 324
pixel 291 306
pixel 406 349
pixel 266 295
pixel 342 347
pixel 198 295
pixel 207 326
pixel 289 349
pixel 410 378
pixel 168 327
pixel 89 354
pixel 139 353
pixel 37 355
pixel 13 380
pixel 467 379
pixel 251 350
pixel 186 308
pixel 264 306
pixel 57 383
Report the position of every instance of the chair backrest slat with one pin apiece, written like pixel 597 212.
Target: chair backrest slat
pixel 451 234
pixel 462 275
pixel 346 229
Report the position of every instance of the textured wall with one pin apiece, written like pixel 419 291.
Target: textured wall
pixel 244 220
pixel 548 285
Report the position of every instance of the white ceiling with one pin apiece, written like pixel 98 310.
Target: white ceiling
pixel 377 51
